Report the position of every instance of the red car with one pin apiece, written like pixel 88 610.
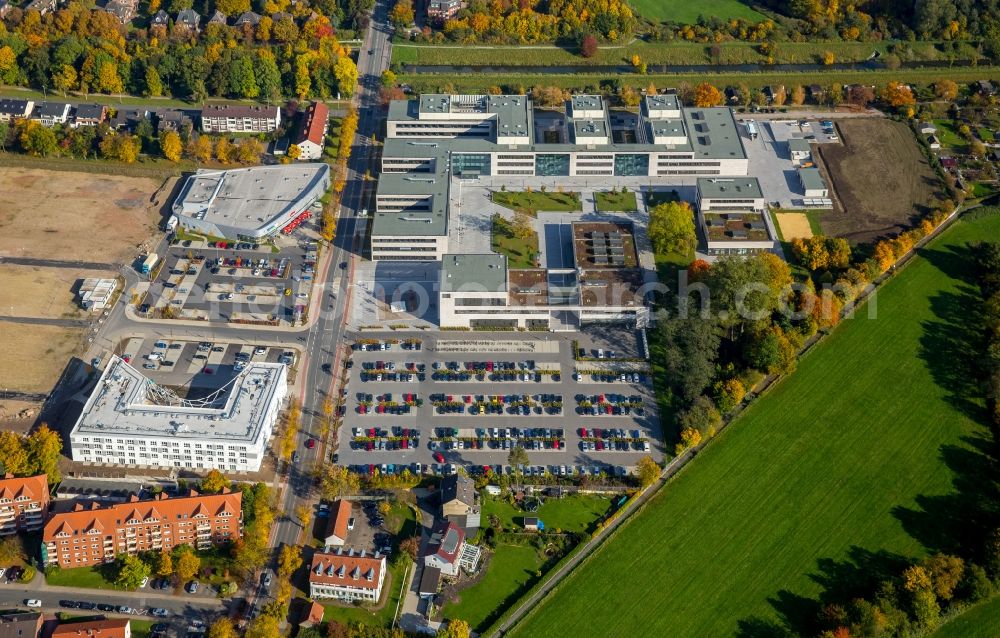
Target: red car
pixel 311 443
pixel 439 457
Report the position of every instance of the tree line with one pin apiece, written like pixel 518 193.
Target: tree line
pixel 504 22
pixel 85 50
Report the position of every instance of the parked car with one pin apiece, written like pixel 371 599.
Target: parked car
pixel 33 602
pixel 192 587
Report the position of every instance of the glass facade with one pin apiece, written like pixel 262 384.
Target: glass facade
pixel 470 164
pixel 632 165
pixel 552 165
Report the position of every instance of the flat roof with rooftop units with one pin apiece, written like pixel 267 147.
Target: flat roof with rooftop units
pixel 479 273
pixel 729 188
pixel 126 405
pixel 249 202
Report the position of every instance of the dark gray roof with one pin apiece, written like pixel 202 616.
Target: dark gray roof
pixel 51 109
pixel 90 111
pixel 161 17
pixel 189 17
pixel 248 17
pixel 13 107
pixel 430 580
pixel 458 487
pixel 217 18
pixel 23 625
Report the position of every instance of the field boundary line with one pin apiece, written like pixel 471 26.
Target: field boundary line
pixel 678 463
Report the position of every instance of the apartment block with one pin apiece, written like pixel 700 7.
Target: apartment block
pixel 23 503
pixel 94 534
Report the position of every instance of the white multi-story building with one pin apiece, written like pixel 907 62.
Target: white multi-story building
pixel 435 138
pixel 130 421
pixel 233 118
pixel 347 575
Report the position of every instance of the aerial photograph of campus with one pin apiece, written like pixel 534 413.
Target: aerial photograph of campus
pixel 497 318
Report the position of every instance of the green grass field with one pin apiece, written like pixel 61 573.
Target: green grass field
pixel 810 481
pixel 688 12
pixel 676 52
pixel 96 577
pixel 608 201
pixel 981 621
pixel 511 569
pixel 948 135
pixel 537 201
pixel 473 83
pixel 570 514
pixel 519 251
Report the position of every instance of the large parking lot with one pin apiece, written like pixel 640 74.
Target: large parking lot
pixel 237 282
pixel 454 402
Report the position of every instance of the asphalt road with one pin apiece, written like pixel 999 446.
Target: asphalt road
pixel 322 339
pixel 327 334
pixel 182 605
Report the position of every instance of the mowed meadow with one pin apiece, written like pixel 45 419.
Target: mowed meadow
pixel 839 472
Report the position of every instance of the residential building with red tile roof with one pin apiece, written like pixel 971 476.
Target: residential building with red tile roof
pixel 336 533
pixel 346 575
pixel 23 503
pixel 102 628
pixel 94 534
pixel 311 134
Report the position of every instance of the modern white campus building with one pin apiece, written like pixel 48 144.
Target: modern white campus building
pixel 249 203
pixel 435 138
pixel 733 216
pixel 130 420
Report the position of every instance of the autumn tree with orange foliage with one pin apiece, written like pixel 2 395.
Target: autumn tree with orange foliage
pixel 706 95
pixel 698 270
pixel 898 95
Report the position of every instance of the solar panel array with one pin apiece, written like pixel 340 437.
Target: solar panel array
pixel 607 249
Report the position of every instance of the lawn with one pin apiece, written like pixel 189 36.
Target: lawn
pixel 948 135
pixel 821 481
pixel 983 189
pixel 569 514
pixel 535 201
pixel 986 135
pixel 512 569
pixel 90 577
pixel 980 621
pixel 478 83
pixel 141 628
pixel 688 12
pixel 614 201
pixel 380 617
pixel 520 252
pixel 675 52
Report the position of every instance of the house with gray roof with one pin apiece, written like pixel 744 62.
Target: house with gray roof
pixel 247 18
pixel 89 114
pixel 460 502
pixel 161 19
pixel 51 113
pixel 13 109
pixel 189 19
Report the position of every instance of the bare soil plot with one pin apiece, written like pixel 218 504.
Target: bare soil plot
pixel 33 357
pixel 880 177
pixel 32 291
pixel 75 216
pixel 794 225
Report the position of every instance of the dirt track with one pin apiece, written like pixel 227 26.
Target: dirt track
pixel 881 180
